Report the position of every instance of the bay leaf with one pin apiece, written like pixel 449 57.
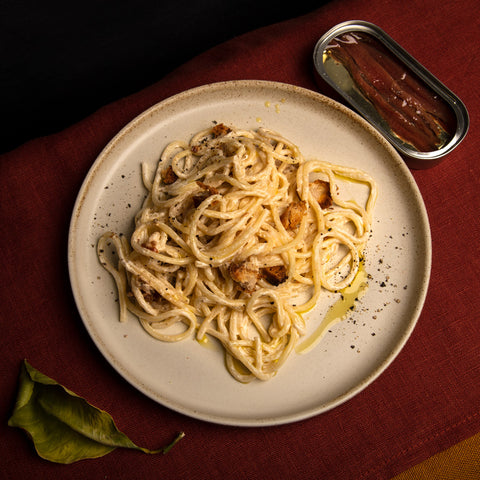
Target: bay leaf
pixel 63 426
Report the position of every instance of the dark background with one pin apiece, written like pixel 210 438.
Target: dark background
pixel 60 61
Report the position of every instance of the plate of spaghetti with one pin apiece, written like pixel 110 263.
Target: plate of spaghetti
pixel 249 253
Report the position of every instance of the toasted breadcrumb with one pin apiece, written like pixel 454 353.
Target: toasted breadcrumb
pixel 320 191
pixel 220 129
pixel 169 176
pixel 275 275
pixel 245 274
pixel 293 215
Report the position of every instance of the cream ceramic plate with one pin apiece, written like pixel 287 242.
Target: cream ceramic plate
pixel 191 378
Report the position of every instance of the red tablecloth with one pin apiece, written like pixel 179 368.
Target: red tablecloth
pixel 428 400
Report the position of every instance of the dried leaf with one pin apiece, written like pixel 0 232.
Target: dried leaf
pixel 64 427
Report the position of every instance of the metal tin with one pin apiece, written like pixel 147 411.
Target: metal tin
pixel 383 110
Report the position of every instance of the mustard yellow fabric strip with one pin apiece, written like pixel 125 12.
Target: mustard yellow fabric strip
pixel 460 462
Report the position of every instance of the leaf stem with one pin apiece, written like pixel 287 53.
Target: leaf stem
pixel 175 441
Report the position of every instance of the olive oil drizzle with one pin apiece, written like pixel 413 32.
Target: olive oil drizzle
pixel 349 296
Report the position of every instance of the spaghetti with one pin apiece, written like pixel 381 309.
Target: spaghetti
pixel 236 239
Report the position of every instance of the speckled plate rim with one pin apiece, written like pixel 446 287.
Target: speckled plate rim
pixel 267 100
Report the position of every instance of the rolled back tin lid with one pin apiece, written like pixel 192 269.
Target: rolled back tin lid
pixel 418 115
